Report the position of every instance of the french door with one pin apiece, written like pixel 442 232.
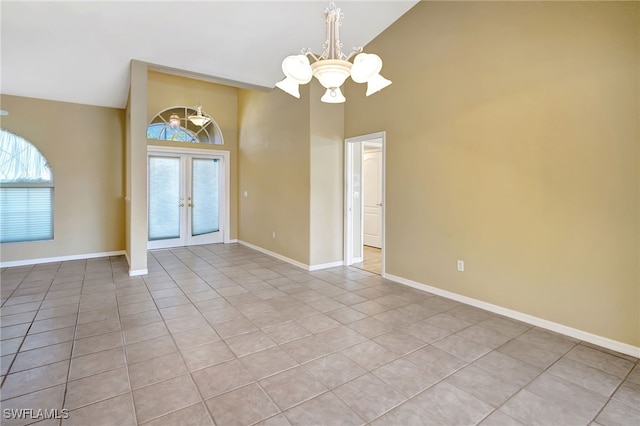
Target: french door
pixel 185 199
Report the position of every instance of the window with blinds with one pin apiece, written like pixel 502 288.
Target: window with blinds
pixel 26 191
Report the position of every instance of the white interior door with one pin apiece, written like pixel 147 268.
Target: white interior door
pixel 372 199
pixel 185 199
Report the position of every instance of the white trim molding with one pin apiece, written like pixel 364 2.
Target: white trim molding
pixel 291 261
pixel 520 316
pixel 326 265
pixel 274 254
pixel 60 258
pixel 138 272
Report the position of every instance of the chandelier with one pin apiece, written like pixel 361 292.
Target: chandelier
pixel 332 67
pixel 198 119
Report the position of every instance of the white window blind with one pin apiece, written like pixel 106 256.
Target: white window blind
pixel 26 214
pixel 164 198
pixel 206 183
pixel 26 191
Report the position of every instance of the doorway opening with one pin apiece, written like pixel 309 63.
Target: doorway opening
pixel 187 197
pixel 364 202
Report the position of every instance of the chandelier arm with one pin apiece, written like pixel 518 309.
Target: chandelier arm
pixel 308 52
pixel 355 51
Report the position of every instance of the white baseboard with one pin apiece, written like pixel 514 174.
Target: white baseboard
pixel 235 240
pixel 291 261
pixel 326 265
pixel 60 258
pixel 529 319
pixel 357 260
pixel 274 254
pixel 138 272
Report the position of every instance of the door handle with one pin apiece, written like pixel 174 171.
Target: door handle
pixel 191 205
pixel 379 204
pixel 181 205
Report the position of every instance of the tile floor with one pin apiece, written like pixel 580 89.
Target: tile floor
pixel 224 335
pixel 372 260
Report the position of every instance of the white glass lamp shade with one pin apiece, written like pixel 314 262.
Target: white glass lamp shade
pixel 331 73
pixel 199 120
pixel 365 66
pixel 297 71
pixel 366 69
pixel 333 96
pixel 290 86
pixel 376 83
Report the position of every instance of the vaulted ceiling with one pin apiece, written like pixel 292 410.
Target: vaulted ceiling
pixel 80 51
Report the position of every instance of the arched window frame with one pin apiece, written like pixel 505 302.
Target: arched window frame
pixel 187 131
pixel 26 191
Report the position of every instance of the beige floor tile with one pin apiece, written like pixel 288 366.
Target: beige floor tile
pixel 42 356
pixel 48 338
pixel 96 388
pixel 114 411
pixel 98 362
pixel 325 410
pixel 245 406
pixel 96 328
pixel 185 323
pixel 60 311
pixel 292 387
pixel 143 318
pixel 221 378
pixel 35 379
pixel 250 342
pixel 47 398
pixel 156 370
pixel 196 415
pixel 268 362
pixel 144 332
pixel 286 332
pixel 195 337
pixel 14 331
pixel 334 370
pixel 206 355
pixel 148 349
pixel 10 346
pixel 99 343
pixel 165 397
pixel 368 396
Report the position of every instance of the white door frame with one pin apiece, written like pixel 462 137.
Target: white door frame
pixel 224 212
pixel 348 198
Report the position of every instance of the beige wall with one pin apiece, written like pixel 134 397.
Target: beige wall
pixel 85 147
pixel 274 168
pixel 219 101
pixel 512 143
pixel 326 178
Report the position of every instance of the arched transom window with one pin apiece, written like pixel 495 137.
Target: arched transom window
pixel 179 125
pixel 26 191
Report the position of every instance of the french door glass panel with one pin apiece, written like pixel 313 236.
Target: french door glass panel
pixel 164 196
pixel 184 200
pixel 205 175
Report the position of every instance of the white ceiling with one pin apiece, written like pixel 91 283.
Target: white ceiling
pixel 80 51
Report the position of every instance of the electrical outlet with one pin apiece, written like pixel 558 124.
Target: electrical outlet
pixel 246 193
pixel 460 265
pixel 273 235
